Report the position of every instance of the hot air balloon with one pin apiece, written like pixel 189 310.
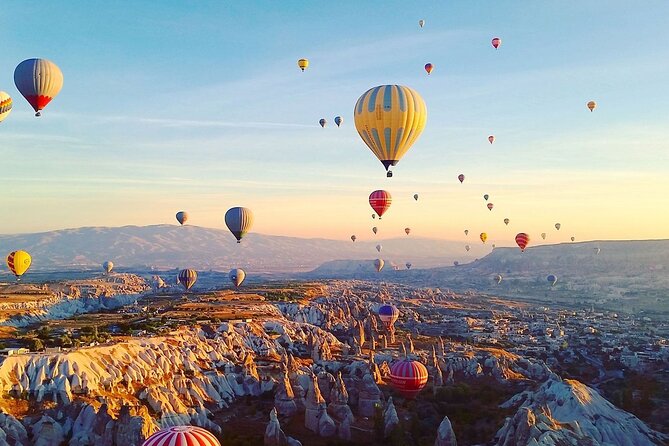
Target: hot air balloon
pixel 506 221
pixel 552 279
pixel 408 265
pixel 461 177
pixel 353 237
pixel 338 120
pixel 557 226
pixel 407 230
pixel 466 231
pixel 456 263
pixel 408 377
pixel 498 279
pixel 5 105
pixel 573 238
pixel 18 262
pixel 39 81
pixel 597 251
pixel 467 248
pixel 429 67
pixel 388 314
pixel 496 42
pixel 491 139
pixel 483 237
pixel 303 64
pixel 108 266
pixel 421 23
pixel 522 240
pixel 378 264
pixel 493 246
pixel 375 229
pixel 415 197
pixel 592 105
pixel 380 201
pixel 374 216
pixel 237 276
pixel 379 248
pixel 182 217
pixel 182 436
pixel 486 196
pixel 322 122
pixel 543 235
pixel 187 278
pixel 239 221
pixel 389 119
pixel 490 206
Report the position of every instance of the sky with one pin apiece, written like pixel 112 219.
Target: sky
pixel 200 106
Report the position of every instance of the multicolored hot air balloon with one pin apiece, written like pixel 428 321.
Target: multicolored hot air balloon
pixel 18 262
pixel 490 206
pixel 415 197
pixel 380 201
pixel 552 279
pixel 5 105
pixel 592 105
pixel 389 119
pixel 408 377
pixel 557 226
pixel 108 266
pixel 506 221
pixel 466 231
pixel 491 139
pixel 375 229
pixel 498 279
pixel 388 314
pixel 182 436
pixel 543 235
pixel 467 248
pixel 237 276
pixel 496 42
pixel 39 81
pixel 408 265
pixel 239 221
pixel 486 196
pixel 461 177
pixel 407 230
pixel 522 240
pixel 182 217
pixel 421 23
pixel 429 67
pixel 187 278
pixel 378 264
pixel 338 120
pixel 303 64
pixel 483 237
pixel 322 122
pixel 353 237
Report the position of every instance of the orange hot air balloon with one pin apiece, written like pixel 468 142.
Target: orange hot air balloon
pixel 429 67
pixel 380 201
pixel 496 42
pixel 461 177
pixel 490 206
pixel 522 240
pixel 491 138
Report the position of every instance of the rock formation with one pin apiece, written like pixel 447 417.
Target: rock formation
pixel 445 434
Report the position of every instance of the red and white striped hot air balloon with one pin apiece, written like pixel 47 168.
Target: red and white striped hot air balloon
pixel 408 377
pixel 380 201
pixel 522 240
pixel 182 436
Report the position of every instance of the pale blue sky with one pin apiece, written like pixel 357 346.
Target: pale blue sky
pixel 199 105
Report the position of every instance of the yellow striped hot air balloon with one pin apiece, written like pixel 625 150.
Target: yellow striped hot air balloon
pixel 303 64
pixel 5 105
pixel 18 262
pixel 389 119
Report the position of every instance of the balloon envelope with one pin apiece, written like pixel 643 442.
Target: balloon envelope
pixel 187 278
pixel 506 221
pixel 353 237
pixel 466 231
pixel 408 377
pixel 490 206
pixel 389 119
pixel 380 201
pixel 407 230
pixel 573 238
pixel 467 247
pixel 182 217
pixel 338 120
pixel 108 266
pixel 378 264
pixel 543 235
pixel 39 81
pixel 18 262
pixel 429 67
pixel 496 42
pixel 483 237
pixel 557 226
pixel 461 177
pixel 239 221
pixel 237 276
pixel 592 105
pixel 375 229
pixel 491 138
pixel 303 64
pixel 498 279
pixel 408 265
pixel 486 196
pixel 421 23
pixel 522 240
pixel 379 248
pixel 388 315
pixel 415 197
pixel 322 122
pixel 552 278
pixel 5 105
pixel 182 436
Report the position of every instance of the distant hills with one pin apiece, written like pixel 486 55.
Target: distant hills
pixel 171 246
